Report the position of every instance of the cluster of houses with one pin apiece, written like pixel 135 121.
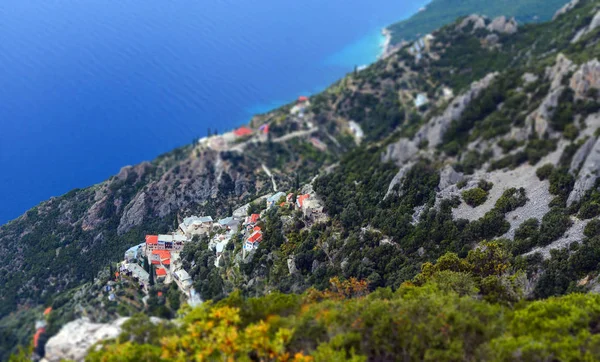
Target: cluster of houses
pixel 162 251
pixel 300 107
pixel 421 46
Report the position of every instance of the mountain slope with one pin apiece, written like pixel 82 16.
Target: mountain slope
pixel 441 12
pixel 474 133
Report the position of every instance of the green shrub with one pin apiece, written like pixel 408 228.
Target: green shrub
pixel 545 171
pixel 561 183
pixel 554 224
pixel 475 197
pixel 508 145
pixel 589 210
pixel 525 236
pixel 485 185
pixel 592 229
pixel 538 148
pixel 511 199
pixel 527 229
pixel 571 132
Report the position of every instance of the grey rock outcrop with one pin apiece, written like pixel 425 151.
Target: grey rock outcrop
pixel 581 155
pixel 398 178
pixel 529 78
pixel 434 130
pixel 75 339
pixel 503 25
pixel 93 216
pixel 568 7
pixel 134 213
pixel 559 70
pixel 587 176
pixel 588 29
pixel 477 21
pixel 540 117
pixel 399 152
pixel 491 40
pixel 449 177
pixel 585 78
pixel 291 264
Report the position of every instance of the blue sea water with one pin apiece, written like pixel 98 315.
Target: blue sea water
pixel 88 86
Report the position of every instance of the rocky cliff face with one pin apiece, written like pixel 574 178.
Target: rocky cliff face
pixel 77 337
pixel 434 130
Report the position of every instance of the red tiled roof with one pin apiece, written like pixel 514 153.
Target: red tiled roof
pixel 47 310
pixel 282 204
pixel 254 218
pixel 151 239
pixel 155 262
pixel 257 228
pixel 301 199
pixel 166 262
pixel 256 237
pixel 242 131
pixel 161 272
pixel 302 99
pixel 162 254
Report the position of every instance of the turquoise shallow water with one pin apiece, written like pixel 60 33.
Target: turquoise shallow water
pixel 89 86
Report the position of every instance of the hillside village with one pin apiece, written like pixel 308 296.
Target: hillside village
pixel 157 259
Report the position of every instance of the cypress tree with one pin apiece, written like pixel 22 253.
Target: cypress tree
pixel 146 265
pixel 151 279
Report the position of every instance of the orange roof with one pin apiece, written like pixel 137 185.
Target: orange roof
pixel 257 236
pixel 257 228
pixel 117 274
pixel 254 218
pixel 162 254
pixel 282 204
pixel 302 99
pixel 151 239
pixel 301 199
pixel 166 262
pixel 161 272
pixel 47 310
pixel 37 335
pixel 155 262
pixel 159 294
pixel 242 131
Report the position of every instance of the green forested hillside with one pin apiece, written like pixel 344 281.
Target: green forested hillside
pixel 442 12
pixel 455 310
pixel 466 219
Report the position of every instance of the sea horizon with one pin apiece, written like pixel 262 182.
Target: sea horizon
pixel 70 120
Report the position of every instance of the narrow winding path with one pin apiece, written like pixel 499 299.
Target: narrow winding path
pixel 268 172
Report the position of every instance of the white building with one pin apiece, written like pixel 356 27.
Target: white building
pixel 183 280
pixel 274 199
pixel 421 100
pixel 134 252
pixel 195 225
pixel 137 272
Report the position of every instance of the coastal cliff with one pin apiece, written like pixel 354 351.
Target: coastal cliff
pixel 459 171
